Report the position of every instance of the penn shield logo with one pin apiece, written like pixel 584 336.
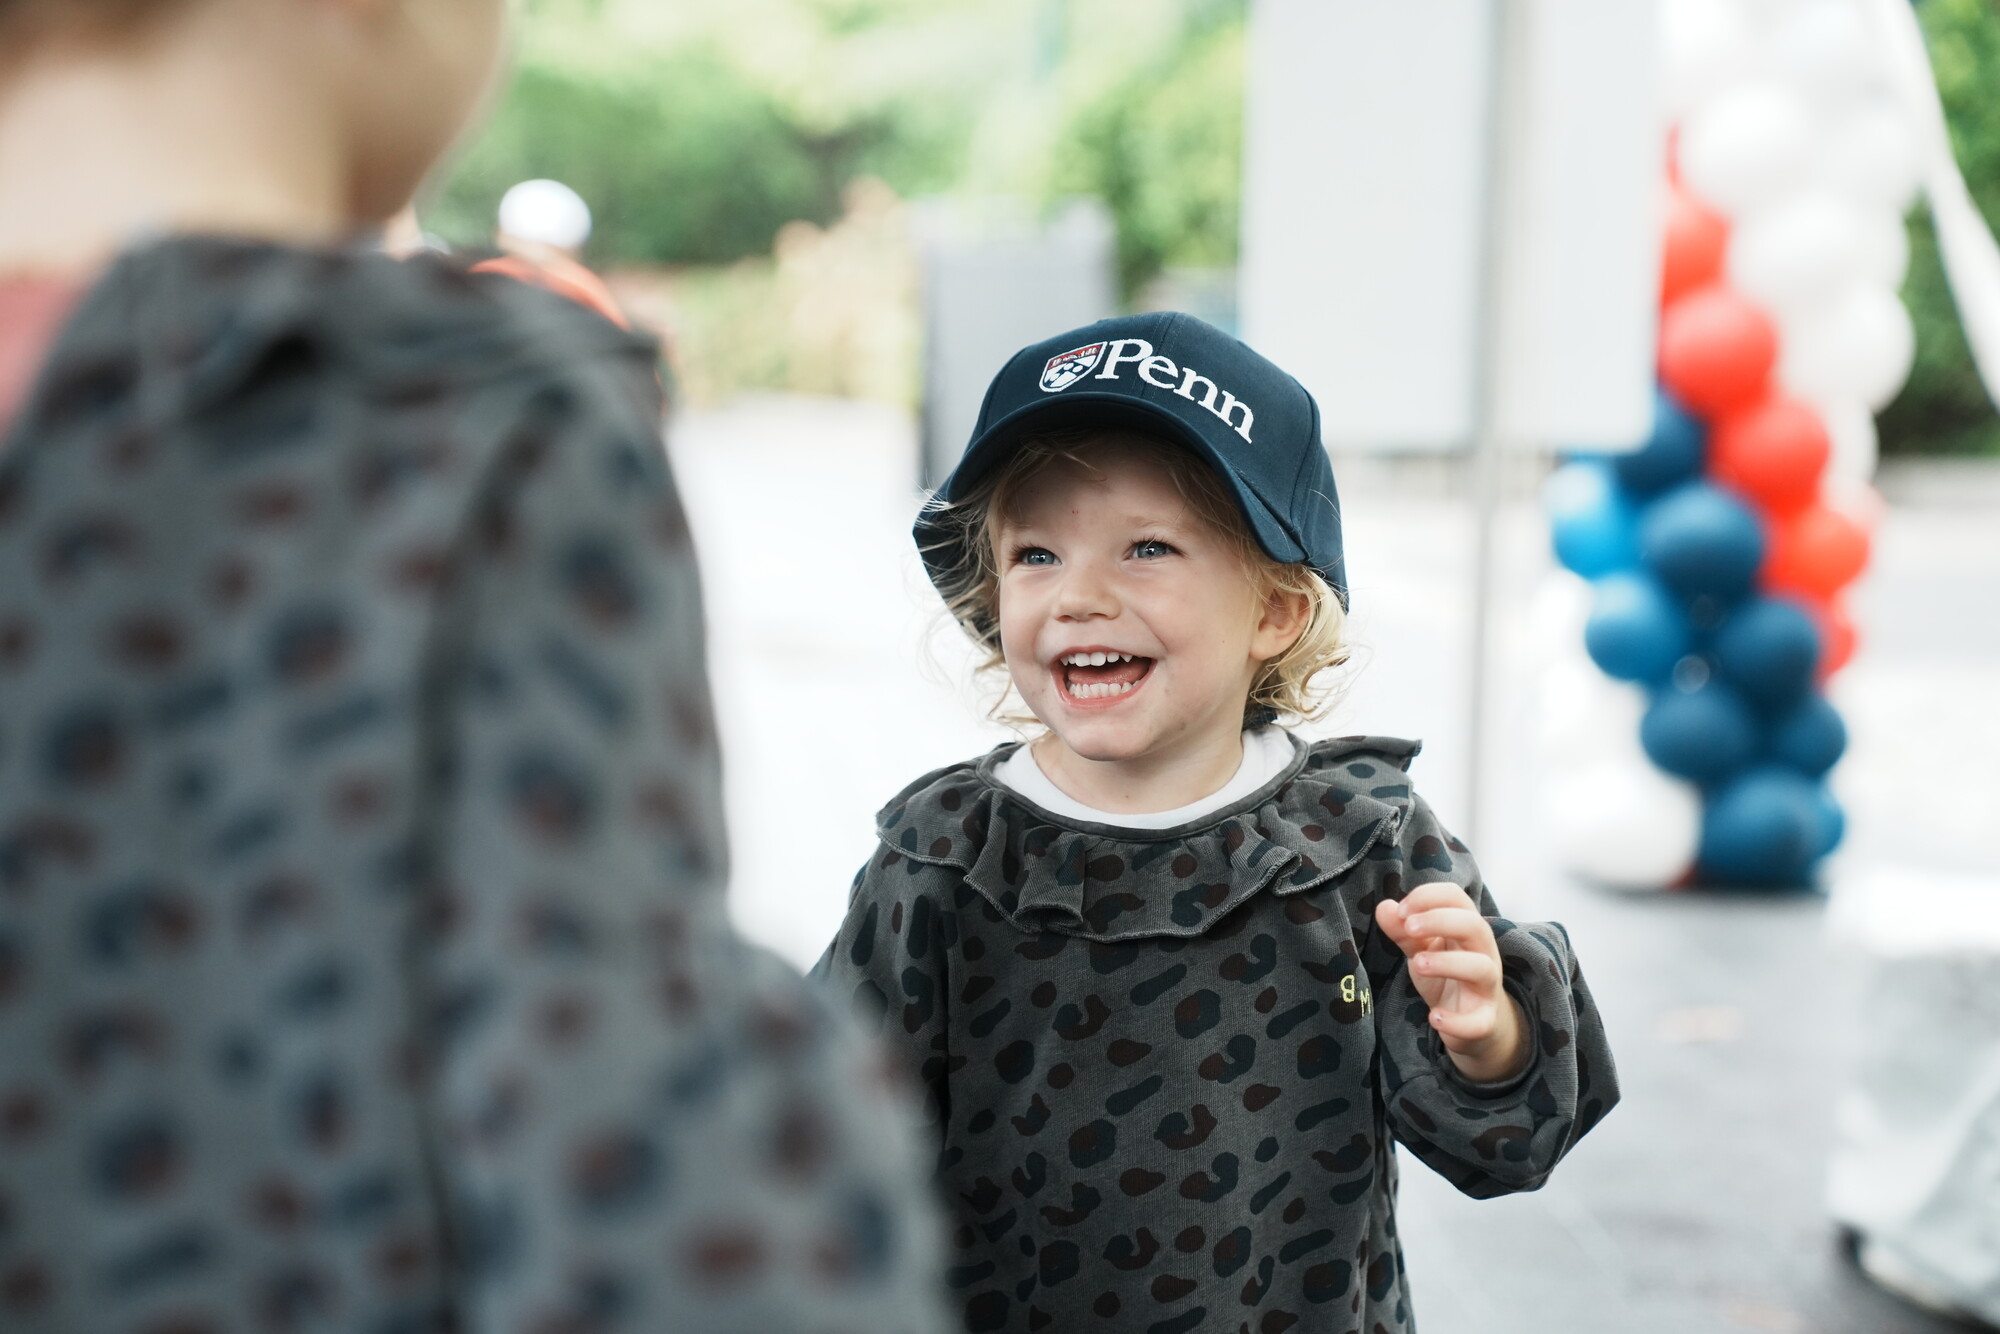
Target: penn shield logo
pixel 1158 371
pixel 1071 366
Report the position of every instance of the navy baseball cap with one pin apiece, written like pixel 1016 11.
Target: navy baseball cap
pixel 1175 376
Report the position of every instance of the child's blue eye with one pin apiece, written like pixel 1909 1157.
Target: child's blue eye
pixel 1034 556
pixel 1148 549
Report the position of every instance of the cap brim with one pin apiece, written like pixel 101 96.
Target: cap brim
pixel 998 441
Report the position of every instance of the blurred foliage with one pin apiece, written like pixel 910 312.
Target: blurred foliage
pixel 830 311
pixel 682 160
pixel 692 145
pixel 1163 147
pixel 697 131
pixel 1944 409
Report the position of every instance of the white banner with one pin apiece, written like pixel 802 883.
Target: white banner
pixel 1365 217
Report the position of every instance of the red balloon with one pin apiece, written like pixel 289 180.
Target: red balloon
pixel 1773 451
pixel 1717 348
pixel 1814 553
pixel 1837 636
pixel 1696 237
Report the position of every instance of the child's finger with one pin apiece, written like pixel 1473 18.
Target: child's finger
pixel 1468 966
pixel 1436 894
pixel 1461 926
pixel 1389 917
pixel 1389 913
pixel 1467 1025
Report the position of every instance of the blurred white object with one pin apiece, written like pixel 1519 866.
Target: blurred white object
pixel 1559 612
pixel 1858 344
pixel 1587 718
pixel 1611 816
pixel 1369 154
pixel 1916 1162
pixel 1901 913
pixel 1823 47
pixel 1850 425
pixel 1748 148
pixel 1705 45
pixel 1625 824
pixel 1792 254
pixel 546 213
pixel 1885 250
pixel 1870 153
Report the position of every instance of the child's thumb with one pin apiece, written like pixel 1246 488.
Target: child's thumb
pixel 1389 916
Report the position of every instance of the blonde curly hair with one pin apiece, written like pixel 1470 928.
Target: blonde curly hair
pixel 1291 686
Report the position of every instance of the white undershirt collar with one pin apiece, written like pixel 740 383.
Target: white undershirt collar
pixel 1266 752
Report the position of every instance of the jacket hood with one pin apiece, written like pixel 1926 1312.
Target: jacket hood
pixel 196 317
pixel 1337 803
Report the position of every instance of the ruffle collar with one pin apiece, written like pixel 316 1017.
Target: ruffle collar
pixel 1336 804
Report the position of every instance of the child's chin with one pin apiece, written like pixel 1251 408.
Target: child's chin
pixel 1102 740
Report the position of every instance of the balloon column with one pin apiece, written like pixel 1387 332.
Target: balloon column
pixel 1719 551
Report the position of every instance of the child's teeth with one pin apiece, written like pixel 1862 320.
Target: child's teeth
pixel 1097 659
pixel 1099 689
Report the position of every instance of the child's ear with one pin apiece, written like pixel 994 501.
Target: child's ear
pixel 1286 612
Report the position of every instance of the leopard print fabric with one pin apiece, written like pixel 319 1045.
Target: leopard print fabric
pixel 1164 1068
pixel 363 962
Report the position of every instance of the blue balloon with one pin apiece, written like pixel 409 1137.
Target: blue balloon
pixel 1592 521
pixel 1809 736
pixel 1702 542
pixel 1704 734
pixel 1768 649
pixel 1763 828
pixel 1635 631
pixel 1673 453
pixel 1832 822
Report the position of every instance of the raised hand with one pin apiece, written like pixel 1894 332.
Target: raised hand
pixel 1455 965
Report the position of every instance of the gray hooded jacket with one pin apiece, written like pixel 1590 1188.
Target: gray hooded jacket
pixel 363 961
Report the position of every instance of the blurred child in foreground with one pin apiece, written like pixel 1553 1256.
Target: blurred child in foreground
pixel 363 963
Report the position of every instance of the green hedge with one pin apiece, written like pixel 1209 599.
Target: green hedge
pixel 684 160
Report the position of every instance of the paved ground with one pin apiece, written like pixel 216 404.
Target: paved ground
pixel 1696 1206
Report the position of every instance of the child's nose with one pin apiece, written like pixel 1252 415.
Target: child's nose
pixel 1086 595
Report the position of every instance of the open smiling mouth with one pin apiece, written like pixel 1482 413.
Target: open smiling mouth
pixel 1101 676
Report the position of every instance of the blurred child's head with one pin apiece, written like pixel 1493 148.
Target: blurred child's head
pixel 384 85
pixel 1116 541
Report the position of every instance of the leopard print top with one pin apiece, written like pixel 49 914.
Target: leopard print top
pixel 1164 1068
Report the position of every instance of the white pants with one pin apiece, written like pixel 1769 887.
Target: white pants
pixel 1916 1162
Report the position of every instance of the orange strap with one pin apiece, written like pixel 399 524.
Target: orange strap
pixel 564 277
pixel 32 311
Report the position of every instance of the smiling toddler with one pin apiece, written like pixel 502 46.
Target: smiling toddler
pixel 1173 978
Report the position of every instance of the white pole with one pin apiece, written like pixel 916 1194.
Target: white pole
pixel 1507 93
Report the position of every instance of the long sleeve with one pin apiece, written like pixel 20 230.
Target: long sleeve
pixel 1488 1139
pixel 639 1121
pixel 889 959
